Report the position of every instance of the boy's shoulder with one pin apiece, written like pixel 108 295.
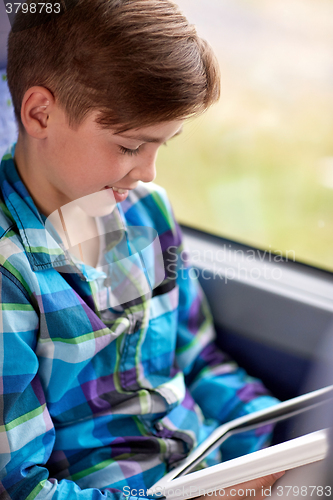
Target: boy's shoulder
pixel 7 222
pixel 14 263
pixel 9 234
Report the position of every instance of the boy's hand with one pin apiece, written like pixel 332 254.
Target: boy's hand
pixel 261 487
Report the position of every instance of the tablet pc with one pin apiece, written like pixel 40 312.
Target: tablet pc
pixel 182 484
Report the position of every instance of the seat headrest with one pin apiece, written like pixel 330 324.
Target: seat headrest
pixel 4 30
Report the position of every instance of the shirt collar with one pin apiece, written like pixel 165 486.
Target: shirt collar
pixel 26 216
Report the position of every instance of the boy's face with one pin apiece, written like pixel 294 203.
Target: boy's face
pixel 90 159
pixel 73 163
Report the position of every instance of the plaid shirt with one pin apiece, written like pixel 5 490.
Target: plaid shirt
pixel 101 388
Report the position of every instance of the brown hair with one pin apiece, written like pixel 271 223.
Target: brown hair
pixel 137 62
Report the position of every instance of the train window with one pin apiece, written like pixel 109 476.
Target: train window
pixel 258 167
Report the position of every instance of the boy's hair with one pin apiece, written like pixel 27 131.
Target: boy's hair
pixel 136 62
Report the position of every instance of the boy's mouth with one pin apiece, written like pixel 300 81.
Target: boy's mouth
pixel 118 193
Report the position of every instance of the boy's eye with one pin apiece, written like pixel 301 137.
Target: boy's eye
pixel 131 152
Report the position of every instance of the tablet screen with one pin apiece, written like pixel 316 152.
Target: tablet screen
pixel 285 428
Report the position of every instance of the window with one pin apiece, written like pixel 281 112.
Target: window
pixel 258 166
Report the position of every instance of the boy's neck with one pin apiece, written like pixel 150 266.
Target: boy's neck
pixel 32 170
pixel 33 175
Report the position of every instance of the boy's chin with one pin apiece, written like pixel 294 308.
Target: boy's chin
pixel 97 204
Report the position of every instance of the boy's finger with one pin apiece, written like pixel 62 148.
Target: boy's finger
pixel 266 481
pixel 265 484
pixel 261 486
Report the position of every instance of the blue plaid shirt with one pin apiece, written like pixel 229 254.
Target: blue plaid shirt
pixel 102 389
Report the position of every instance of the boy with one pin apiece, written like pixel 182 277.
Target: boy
pixel 110 374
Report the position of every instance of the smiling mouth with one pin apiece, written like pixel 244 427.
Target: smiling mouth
pixel 118 194
pixel 117 190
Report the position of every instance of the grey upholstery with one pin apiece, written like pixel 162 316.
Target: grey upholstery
pixel 8 128
pixel 4 30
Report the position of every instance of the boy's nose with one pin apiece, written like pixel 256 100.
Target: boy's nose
pixel 146 171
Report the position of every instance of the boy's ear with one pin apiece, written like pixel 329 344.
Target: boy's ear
pixel 37 105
